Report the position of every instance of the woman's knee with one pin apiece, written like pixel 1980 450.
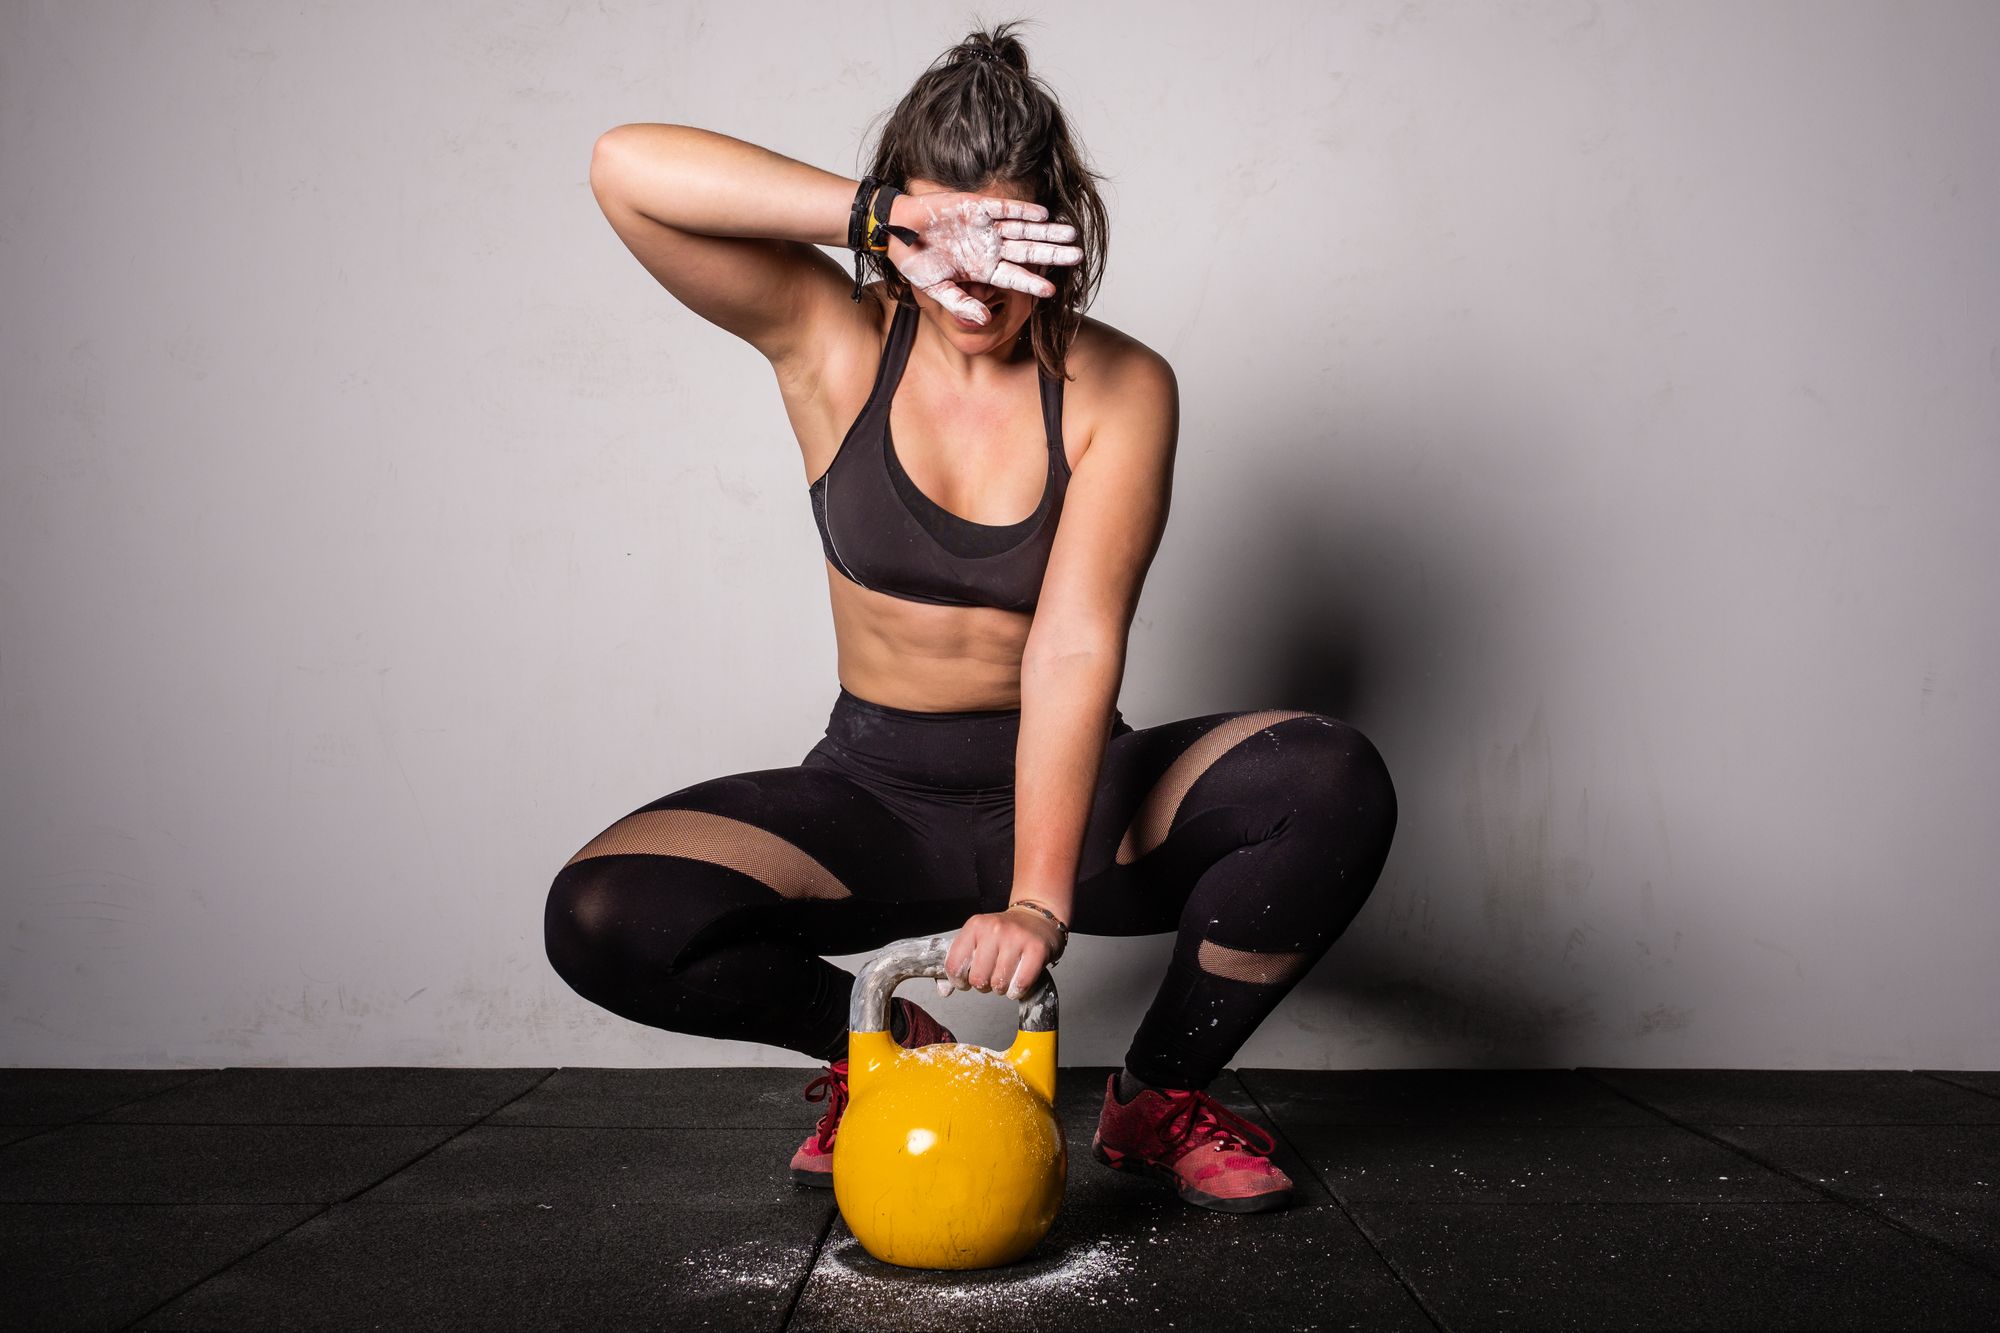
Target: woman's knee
pixel 644 939
pixel 580 924
pixel 624 914
pixel 639 917
pixel 1320 764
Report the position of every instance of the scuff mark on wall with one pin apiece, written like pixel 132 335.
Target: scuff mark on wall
pixel 1798 970
pixel 1663 1018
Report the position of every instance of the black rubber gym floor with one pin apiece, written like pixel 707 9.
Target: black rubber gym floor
pixel 604 1199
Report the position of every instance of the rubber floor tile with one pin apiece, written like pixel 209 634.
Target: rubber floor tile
pixel 737 1098
pixel 1941 1163
pixel 694 1170
pixel 1108 1270
pixel 93 1163
pixel 76 1266
pixel 1440 1096
pixel 1979 1080
pixel 1969 1229
pixel 362 1096
pixel 1808 1266
pixel 1534 1164
pixel 1802 1096
pixel 600 1268
pixel 58 1096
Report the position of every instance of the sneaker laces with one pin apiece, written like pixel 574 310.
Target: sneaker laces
pixel 1197 1117
pixel 831 1088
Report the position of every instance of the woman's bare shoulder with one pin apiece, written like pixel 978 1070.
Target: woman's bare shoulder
pixel 1114 376
pixel 1112 360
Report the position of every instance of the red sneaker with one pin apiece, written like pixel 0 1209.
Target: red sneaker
pixel 1213 1157
pixel 812 1164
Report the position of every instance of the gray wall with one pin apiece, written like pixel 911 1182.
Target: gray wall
pixel 1594 403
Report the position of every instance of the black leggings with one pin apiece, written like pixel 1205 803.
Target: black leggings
pixel 1254 836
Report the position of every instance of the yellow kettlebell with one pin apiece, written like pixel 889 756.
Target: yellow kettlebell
pixel 950 1155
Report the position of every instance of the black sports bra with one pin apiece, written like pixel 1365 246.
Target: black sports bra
pixel 883 533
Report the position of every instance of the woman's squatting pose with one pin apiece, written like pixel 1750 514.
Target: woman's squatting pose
pixel 990 473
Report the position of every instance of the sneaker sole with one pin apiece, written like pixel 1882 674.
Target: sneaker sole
pixel 1268 1202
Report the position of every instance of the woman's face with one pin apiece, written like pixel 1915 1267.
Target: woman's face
pixel 1010 309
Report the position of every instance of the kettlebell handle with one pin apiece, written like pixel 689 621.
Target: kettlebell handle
pixel 923 956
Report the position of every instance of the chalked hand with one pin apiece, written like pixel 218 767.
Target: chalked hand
pixel 978 238
pixel 1003 951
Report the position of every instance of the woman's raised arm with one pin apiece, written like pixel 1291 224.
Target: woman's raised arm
pixel 730 229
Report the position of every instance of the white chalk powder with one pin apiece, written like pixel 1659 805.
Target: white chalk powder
pixel 972 1062
pixel 851 1289
pixel 769 1265
pixel 1093 1272
pixel 959 1053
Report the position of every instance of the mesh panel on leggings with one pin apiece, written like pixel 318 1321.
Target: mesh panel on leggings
pixel 757 852
pixel 1265 969
pixel 1156 812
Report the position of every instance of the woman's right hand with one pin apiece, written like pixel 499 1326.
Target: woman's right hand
pixel 980 238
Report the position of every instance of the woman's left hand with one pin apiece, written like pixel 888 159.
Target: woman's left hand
pixel 979 238
pixel 1002 951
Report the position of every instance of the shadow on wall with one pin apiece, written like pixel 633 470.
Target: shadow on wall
pixel 1312 607
pixel 1462 1021
pixel 1358 617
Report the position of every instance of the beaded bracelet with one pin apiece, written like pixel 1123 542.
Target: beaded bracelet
pixel 1062 946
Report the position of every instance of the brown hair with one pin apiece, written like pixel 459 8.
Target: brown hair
pixel 977 116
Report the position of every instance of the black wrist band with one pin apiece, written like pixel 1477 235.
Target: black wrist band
pixel 857 216
pixel 857 223
pixel 873 199
pixel 878 239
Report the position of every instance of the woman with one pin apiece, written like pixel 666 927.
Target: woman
pixel 989 471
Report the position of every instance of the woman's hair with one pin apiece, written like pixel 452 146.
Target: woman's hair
pixel 976 117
